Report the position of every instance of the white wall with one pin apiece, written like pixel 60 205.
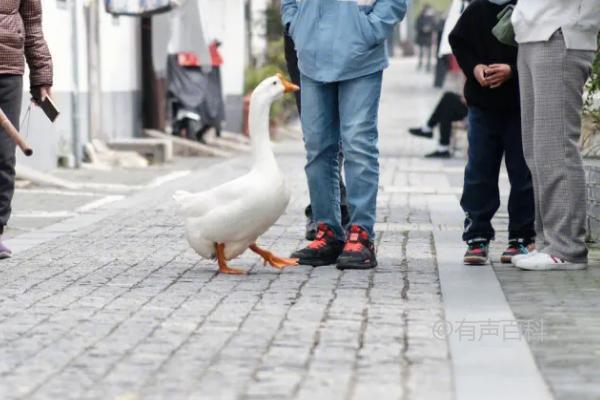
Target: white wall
pixel 120 70
pixel 119 53
pixel 119 48
pixel 224 20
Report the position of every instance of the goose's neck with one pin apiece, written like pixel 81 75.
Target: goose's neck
pixel 262 153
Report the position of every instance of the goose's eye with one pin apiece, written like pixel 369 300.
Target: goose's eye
pixel 274 83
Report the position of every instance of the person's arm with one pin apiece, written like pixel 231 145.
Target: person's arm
pixel 289 9
pixel 384 16
pixel 461 42
pixel 36 50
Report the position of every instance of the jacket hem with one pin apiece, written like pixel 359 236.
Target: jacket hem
pixel 323 77
pixel 12 71
pixel 575 39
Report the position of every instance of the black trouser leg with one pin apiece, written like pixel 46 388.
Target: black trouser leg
pixel 11 96
pixel 445 132
pixel 343 200
pixel 481 195
pixel 449 109
pixel 521 209
pixel 291 59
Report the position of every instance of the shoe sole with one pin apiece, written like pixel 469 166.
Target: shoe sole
pixel 443 157
pixel 316 262
pixel 553 267
pixel 506 259
pixel 473 260
pixel 4 255
pixel 421 136
pixel 343 267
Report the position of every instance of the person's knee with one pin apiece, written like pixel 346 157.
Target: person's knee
pixel 449 96
pixel 361 150
pixel 318 151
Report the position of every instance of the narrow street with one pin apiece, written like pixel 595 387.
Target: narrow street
pixel 109 302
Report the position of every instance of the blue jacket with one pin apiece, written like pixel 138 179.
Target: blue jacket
pixel 338 40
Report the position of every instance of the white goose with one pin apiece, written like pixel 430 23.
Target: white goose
pixel 225 221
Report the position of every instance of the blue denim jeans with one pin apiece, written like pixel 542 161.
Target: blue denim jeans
pixel 493 134
pixel 342 113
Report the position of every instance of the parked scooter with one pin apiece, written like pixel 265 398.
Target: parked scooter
pixel 195 96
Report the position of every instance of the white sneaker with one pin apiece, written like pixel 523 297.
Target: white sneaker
pixel 545 262
pixel 514 259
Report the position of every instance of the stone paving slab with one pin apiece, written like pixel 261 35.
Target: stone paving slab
pixel 114 305
pixel 124 308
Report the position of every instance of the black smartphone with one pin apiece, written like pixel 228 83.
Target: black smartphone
pixel 47 105
pixel 49 109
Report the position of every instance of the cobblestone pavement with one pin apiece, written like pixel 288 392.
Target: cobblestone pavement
pixel 36 207
pixel 567 304
pixel 123 309
pixel 120 308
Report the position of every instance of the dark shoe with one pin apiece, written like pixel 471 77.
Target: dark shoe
pixel 517 247
pixel 439 154
pixel 359 251
pixel 421 133
pixel 324 250
pixel 311 225
pixel 5 252
pixel 477 252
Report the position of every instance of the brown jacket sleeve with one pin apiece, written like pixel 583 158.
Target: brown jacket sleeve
pixel 36 50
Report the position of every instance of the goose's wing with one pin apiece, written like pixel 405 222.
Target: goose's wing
pixel 244 218
pixel 198 204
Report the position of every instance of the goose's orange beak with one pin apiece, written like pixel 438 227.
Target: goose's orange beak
pixel 288 86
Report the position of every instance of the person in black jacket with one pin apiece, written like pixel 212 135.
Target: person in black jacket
pixel 492 94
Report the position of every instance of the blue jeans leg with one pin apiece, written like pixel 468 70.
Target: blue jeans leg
pixel 321 128
pixel 358 106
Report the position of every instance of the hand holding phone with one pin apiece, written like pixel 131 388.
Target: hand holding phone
pixel 42 97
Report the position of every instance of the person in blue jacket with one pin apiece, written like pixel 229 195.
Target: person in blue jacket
pixel 341 55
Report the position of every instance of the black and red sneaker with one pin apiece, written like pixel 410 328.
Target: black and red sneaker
pixel 517 247
pixel 477 252
pixel 359 251
pixel 324 250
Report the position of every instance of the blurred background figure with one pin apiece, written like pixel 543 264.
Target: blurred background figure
pixel 442 60
pixel 425 28
pixel 451 108
pixel 195 95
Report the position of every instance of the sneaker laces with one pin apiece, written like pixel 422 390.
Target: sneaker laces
pixel 479 244
pixel 519 244
pixel 321 240
pixel 354 244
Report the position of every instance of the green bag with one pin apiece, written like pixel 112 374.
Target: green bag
pixel 504 30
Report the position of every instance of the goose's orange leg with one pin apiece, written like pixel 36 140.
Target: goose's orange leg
pixel 272 259
pixel 223 267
